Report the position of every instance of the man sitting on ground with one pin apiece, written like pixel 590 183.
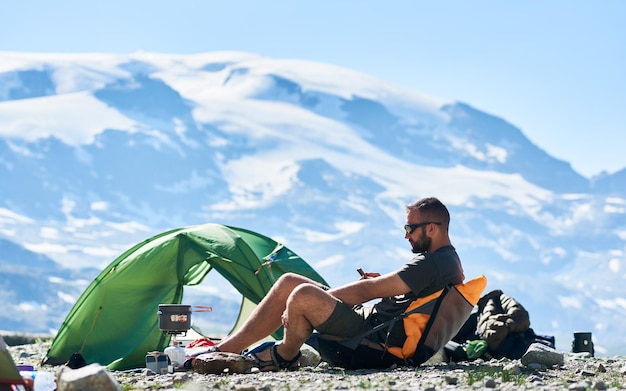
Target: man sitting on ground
pixel 302 305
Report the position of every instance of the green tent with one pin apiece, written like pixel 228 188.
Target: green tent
pixel 115 321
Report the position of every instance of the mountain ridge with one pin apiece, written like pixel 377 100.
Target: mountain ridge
pixel 323 159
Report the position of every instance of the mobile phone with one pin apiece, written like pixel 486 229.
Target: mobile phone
pixel 361 272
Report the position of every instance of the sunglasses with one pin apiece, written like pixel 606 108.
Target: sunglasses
pixel 409 228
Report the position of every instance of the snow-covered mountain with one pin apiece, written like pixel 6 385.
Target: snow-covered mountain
pixel 98 152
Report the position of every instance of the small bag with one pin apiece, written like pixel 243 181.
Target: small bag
pixel 76 361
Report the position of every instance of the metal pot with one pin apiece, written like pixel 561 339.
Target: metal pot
pixel 174 318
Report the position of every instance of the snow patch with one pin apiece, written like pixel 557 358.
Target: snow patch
pixel 328 262
pixel 614 265
pixel 129 227
pixel 8 216
pixel 344 229
pixel 49 233
pixel 99 206
pixel 569 302
pixel 74 118
pixel 66 298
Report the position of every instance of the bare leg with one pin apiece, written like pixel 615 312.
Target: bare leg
pixel 307 306
pixel 266 318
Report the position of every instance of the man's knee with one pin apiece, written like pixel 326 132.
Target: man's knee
pixel 292 280
pixel 312 302
pixel 307 294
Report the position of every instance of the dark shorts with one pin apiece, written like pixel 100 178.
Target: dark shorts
pixel 347 321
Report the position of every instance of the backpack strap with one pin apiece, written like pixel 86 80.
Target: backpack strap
pixel 374 358
pixel 422 305
pixel 353 342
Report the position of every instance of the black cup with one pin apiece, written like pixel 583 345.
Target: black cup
pixel 582 343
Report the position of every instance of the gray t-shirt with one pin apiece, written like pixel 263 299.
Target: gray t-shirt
pixel 425 274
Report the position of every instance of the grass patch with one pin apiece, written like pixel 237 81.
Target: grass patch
pixel 478 375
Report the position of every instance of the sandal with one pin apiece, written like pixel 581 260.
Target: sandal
pixel 276 362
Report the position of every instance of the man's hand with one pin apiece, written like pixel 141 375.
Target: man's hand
pixel 367 275
pixel 284 319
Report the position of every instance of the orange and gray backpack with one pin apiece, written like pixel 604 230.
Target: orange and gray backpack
pixel 429 323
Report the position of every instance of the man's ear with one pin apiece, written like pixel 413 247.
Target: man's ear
pixel 433 229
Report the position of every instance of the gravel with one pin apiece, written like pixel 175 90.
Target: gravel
pixel 579 372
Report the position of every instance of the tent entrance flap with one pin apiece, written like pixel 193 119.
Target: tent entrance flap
pixel 246 309
pixel 244 313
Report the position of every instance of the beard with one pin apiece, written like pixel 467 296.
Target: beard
pixel 422 244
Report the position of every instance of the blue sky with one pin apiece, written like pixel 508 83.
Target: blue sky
pixel 555 69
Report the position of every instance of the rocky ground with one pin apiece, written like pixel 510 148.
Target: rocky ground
pixel 578 372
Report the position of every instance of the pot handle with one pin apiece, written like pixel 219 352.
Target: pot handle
pixel 202 308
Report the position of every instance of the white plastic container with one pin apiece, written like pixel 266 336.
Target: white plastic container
pixel 45 381
pixel 176 354
pixel 29 374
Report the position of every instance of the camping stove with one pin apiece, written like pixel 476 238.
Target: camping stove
pixel 174 318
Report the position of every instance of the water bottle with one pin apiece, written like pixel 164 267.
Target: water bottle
pixel 28 374
pixel 45 381
pixel 176 354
